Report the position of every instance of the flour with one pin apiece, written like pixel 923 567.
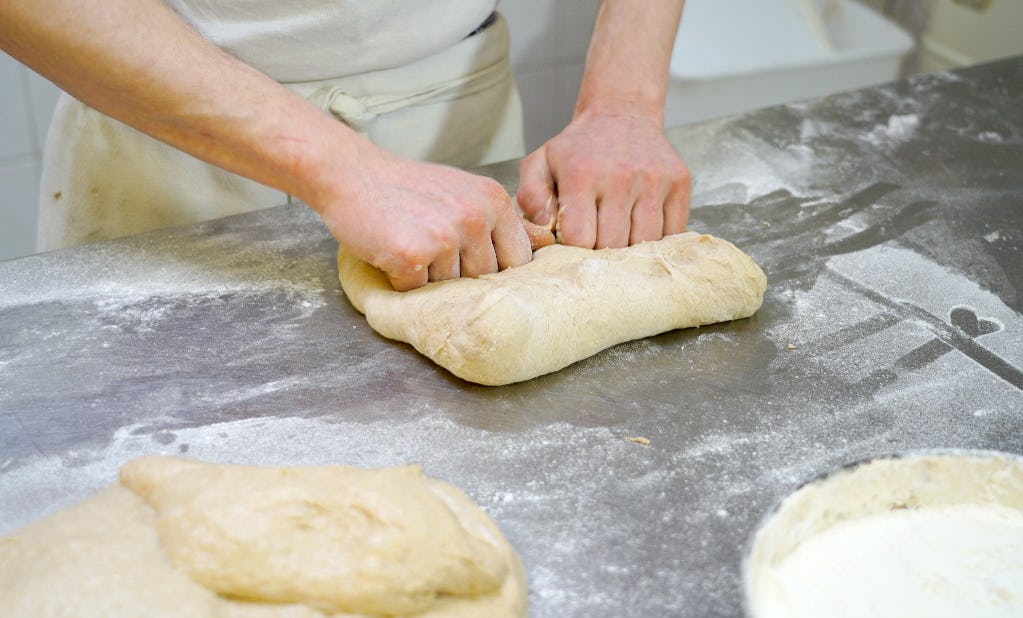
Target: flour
pixel 991 137
pixel 900 128
pixel 936 562
pixel 165 265
pixel 287 440
pixel 145 280
pixel 907 276
pixel 716 157
pixel 936 535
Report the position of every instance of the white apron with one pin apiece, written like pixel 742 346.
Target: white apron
pixel 102 179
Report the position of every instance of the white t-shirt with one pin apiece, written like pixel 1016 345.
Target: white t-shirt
pixel 309 40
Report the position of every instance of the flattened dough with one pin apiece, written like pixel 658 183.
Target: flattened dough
pixel 564 306
pixel 181 538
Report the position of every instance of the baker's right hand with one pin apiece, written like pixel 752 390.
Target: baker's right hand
pixel 420 222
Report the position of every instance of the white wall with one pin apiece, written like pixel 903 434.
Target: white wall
pixel 549 37
pixel 26 104
pixel 548 50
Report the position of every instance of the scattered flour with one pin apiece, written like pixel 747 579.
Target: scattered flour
pixel 899 129
pixel 991 137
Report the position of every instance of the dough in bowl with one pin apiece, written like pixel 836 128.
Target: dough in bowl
pixel 564 306
pixel 181 538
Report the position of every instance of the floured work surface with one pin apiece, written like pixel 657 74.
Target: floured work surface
pixel 894 275
pixel 180 538
pixel 564 306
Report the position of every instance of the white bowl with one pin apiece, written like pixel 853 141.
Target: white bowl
pixel 930 534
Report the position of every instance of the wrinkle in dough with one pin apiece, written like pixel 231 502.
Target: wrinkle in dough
pixel 564 306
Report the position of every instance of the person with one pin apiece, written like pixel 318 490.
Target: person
pixel 185 110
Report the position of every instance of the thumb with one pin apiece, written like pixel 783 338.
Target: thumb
pixel 536 194
pixel 539 236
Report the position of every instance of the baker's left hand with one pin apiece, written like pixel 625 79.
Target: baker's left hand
pixel 609 179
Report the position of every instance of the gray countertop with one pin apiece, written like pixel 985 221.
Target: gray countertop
pixel 889 222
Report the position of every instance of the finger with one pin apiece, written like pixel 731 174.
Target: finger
pixel 409 278
pixel 510 239
pixel 446 266
pixel 539 236
pixel 476 224
pixel 614 220
pixel 676 210
pixel 647 219
pixel 478 259
pixel 536 189
pixel 477 251
pixel 577 220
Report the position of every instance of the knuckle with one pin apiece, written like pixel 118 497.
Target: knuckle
pixel 577 176
pixel 494 190
pixel 435 237
pixel 571 207
pixel 407 259
pixel 531 160
pixel 617 207
pixel 649 175
pixel 532 197
pixel 622 175
pixel 416 257
pixel 473 222
pixel 445 240
pixel 680 172
pixel 576 238
pixel 646 209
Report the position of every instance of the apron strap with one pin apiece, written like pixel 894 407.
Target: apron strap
pixel 359 112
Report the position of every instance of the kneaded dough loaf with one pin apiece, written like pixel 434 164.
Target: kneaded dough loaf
pixel 181 538
pixel 564 306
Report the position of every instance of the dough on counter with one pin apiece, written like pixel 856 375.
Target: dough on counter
pixel 181 538
pixel 564 306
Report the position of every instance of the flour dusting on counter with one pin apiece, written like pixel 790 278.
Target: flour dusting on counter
pixel 900 127
pixel 892 323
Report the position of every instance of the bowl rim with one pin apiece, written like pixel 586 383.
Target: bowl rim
pixel 849 464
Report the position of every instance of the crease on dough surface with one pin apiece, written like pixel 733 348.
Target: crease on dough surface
pixel 565 305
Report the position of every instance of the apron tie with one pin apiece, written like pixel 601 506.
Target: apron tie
pixel 359 112
pixel 348 109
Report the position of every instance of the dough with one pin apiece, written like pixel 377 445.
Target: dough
pixel 935 536
pixel 564 306
pixel 183 538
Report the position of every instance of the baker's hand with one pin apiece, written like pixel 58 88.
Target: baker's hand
pixel 421 222
pixel 609 179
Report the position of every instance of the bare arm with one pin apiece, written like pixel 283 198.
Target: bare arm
pixel 137 61
pixel 611 178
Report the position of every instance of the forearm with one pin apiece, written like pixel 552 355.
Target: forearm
pixel 137 61
pixel 629 56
